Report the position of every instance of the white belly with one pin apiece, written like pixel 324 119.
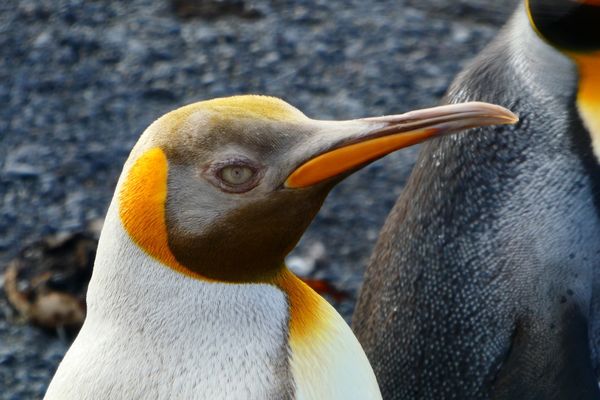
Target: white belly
pixel 152 333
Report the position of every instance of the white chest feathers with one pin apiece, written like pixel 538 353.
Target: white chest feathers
pixel 152 333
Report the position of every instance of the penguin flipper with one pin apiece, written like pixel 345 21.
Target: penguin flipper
pixel 533 368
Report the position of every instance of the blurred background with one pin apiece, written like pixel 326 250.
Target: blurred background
pixel 80 80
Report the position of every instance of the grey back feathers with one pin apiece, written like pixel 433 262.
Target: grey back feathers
pixel 484 283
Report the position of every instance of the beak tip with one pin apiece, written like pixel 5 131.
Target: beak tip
pixel 511 118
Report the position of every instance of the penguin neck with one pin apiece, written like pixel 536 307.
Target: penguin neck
pixel 117 270
pixel 195 337
pixel 280 328
pixel 541 69
pixel 123 268
pixel 550 69
pixel 588 96
pixel 135 224
pixel 125 276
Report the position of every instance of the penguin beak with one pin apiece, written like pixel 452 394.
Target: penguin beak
pixel 342 147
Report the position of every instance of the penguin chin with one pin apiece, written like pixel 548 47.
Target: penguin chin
pixel 247 244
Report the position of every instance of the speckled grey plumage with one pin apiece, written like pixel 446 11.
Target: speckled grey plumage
pixel 484 281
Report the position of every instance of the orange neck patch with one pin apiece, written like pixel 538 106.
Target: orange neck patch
pixel 142 202
pixel 588 96
pixel 309 312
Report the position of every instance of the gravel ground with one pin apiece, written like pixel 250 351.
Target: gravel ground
pixel 80 80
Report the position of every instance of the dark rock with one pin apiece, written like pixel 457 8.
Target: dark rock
pixel 159 94
pixel 213 8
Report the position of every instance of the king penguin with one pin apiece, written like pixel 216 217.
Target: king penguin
pixel 485 280
pixel 190 297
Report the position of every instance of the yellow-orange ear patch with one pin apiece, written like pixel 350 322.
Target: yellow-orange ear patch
pixel 142 200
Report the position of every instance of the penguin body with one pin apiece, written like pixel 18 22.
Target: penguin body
pixel 190 297
pixel 484 282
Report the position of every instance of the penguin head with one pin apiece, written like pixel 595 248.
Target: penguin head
pixel 570 25
pixel 223 189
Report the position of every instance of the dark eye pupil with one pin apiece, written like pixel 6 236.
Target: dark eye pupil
pixel 568 24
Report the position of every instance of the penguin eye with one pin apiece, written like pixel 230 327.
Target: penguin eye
pixel 567 24
pixel 236 174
